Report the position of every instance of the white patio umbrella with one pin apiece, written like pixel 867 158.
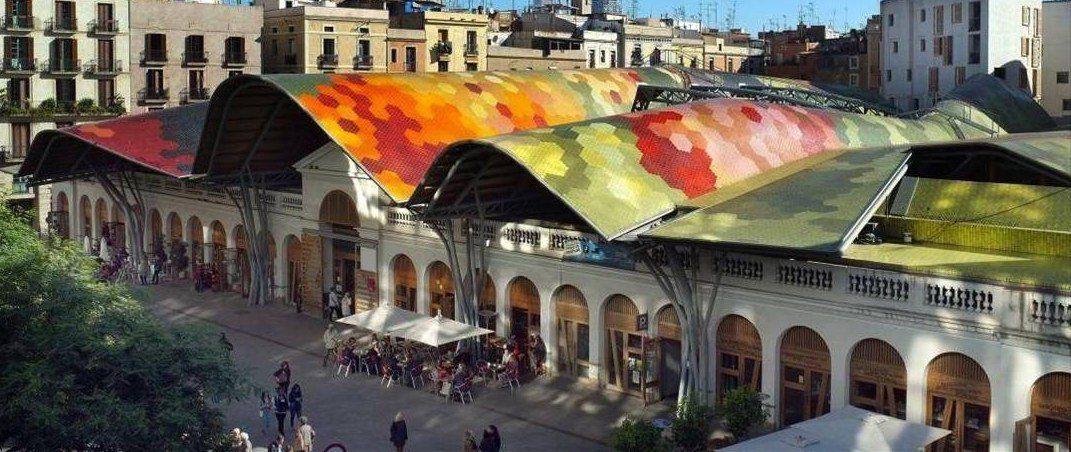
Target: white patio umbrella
pixel 382 319
pixel 847 429
pixel 105 253
pixel 438 330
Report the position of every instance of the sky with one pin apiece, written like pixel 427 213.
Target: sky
pixel 752 15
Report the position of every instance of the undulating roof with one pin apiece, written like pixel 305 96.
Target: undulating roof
pixel 162 142
pixel 395 125
pixel 619 173
pixel 816 210
pixel 1013 109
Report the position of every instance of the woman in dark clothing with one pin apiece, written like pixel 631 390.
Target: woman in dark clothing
pixel 282 407
pixel 491 441
pixel 295 404
pixel 282 377
pixel 398 432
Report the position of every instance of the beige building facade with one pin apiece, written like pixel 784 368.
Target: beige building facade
pixel 504 58
pixel 312 39
pixel 180 51
pixel 722 55
pixel 456 41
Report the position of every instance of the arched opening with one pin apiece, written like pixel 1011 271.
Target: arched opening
pixel 878 378
pixel 293 268
pixel 441 289
pixel 405 283
pixel 102 219
pixel 241 245
pixel 1050 412
pixel 805 373
pixel 524 310
pixel 669 352
pixel 197 245
pixel 174 227
pixel 739 349
pixel 624 346
pixel 85 214
pixel 574 334
pixel 156 230
pixel 118 227
pixel 60 216
pixel 338 213
pixel 957 399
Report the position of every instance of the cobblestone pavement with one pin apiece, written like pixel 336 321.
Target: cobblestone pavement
pixel 549 414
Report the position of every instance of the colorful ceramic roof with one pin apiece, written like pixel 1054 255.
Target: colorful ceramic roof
pixel 815 210
pixel 1035 207
pixel 162 141
pixel 395 125
pixel 1052 150
pixel 621 172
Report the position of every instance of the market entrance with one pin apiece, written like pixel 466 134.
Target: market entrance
pixel 805 373
pixel 440 290
pixel 669 352
pixel 878 378
pixel 405 283
pixel 739 349
pixel 624 346
pixel 573 332
pixel 1050 411
pixel 957 399
pixel 338 215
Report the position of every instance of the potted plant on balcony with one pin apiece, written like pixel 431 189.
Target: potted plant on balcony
pixel 85 106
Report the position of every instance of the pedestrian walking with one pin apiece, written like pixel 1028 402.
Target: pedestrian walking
pixel 279 445
pixel 491 441
pixel 304 436
pixel 295 404
pixel 143 271
pixel 282 376
pixel 539 349
pixel 282 408
pixel 331 336
pixel 398 433
pixel 334 305
pixel 347 305
pixel 469 443
pixel 266 407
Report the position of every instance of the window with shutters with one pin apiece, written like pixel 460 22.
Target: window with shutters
pixel 939 19
pixel 106 92
pixel 974 49
pixel 957 13
pixel 20 139
pixel 1024 46
pixel 934 80
pixel 961 75
pixel 948 50
pixel 1026 16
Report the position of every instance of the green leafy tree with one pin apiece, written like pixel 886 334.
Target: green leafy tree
pixel 693 425
pixel 743 409
pixel 638 435
pixel 84 365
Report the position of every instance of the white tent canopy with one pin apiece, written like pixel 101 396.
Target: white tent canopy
pixel 846 429
pixel 438 330
pixel 383 319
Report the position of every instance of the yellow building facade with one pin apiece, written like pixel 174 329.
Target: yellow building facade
pixel 456 41
pixel 310 39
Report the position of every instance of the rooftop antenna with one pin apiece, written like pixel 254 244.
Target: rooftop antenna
pixel 730 18
pixel 634 8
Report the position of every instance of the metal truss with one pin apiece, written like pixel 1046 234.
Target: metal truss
pixel 647 95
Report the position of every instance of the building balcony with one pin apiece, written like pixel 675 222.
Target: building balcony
pixel 195 58
pixel 104 27
pixel 19 65
pixel 190 95
pixel 362 62
pixel 471 49
pixel 19 23
pixel 63 66
pixel 61 25
pixel 443 50
pixel 154 57
pixel 327 60
pixel 154 95
pixel 104 67
pixel 235 59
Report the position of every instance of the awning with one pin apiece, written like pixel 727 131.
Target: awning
pixel 383 319
pixel 847 429
pixel 438 330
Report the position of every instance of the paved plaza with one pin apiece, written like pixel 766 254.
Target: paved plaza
pixel 548 414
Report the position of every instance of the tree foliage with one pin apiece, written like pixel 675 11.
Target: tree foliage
pixel 693 424
pixel 84 365
pixel 743 409
pixel 638 435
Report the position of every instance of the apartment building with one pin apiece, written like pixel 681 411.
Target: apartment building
pixel 1056 76
pixel 686 48
pixel 843 61
pixel 405 50
pixel 723 55
pixel 456 40
pixel 181 50
pixel 644 43
pixel 931 46
pixel 62 64
pixel 318 39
